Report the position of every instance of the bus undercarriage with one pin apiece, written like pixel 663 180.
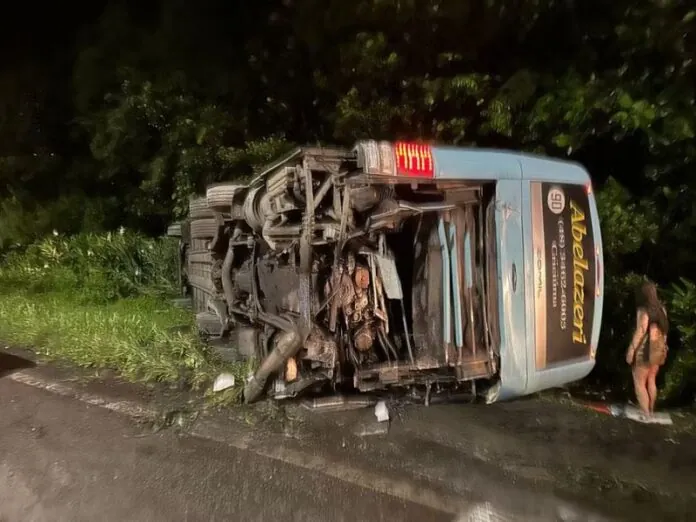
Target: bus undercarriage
pixel 332 277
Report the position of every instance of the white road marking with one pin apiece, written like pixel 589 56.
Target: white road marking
pixel 128 408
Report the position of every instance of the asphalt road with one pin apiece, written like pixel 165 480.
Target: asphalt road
pixel 62 460
pixel 65 456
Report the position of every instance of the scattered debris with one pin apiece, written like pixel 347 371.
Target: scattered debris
pixel 599 407
pixel 628 411
pixel 633 413
pixel 180 419
pixel 338 403
pixel 223 381
pixel 381 412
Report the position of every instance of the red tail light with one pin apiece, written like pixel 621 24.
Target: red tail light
pixel 395 159
pixel 414 159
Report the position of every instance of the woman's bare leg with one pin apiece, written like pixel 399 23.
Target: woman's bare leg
pixel 652 386
pixel 640 386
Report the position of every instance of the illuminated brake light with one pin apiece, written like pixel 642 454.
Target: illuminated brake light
pixel 588 188
pixel 414 159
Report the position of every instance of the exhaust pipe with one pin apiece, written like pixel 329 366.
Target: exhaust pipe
pixel 287 344
pixel 289 341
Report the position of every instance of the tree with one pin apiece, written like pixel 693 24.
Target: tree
pixel 166 99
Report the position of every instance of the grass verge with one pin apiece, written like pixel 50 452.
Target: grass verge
pixel 143 338
pixel 102 301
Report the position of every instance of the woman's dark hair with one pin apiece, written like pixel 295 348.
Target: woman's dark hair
pixel 646 298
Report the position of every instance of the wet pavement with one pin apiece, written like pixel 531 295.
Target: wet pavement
pixel 529 460
pixel 66 461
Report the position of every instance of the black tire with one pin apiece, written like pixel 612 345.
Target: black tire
pixel 199 244
pixel 174 230
pixel 220 196
pixel 200 298
pixel 198 208
pixel 203 228
pixel 226 351
pixel 208 323
pixel 182 302
pixel 200 256
pixel 199 265
pixel 203 282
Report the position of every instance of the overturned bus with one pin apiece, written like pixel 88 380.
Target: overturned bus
pixel 400 265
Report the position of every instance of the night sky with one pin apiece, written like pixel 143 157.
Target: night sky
pixel 37 30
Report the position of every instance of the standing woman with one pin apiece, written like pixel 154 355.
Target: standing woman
pixel 648 349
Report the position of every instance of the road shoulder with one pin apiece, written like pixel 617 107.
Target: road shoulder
pixel 538 456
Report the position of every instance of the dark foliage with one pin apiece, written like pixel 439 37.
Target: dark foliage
pixel 115 116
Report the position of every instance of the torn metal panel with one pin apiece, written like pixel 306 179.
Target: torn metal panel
pixel 389 276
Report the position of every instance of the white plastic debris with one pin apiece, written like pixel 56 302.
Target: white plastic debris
pixel 629 411
pixel 633 413
pixel 381 412
pixel 223 381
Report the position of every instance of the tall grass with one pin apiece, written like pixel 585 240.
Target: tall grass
pixel 138 337
pixel 680 375
pixel 102 300
pixel 95 268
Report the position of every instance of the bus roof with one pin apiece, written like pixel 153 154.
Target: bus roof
pixel 462 163
pixel 477 163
